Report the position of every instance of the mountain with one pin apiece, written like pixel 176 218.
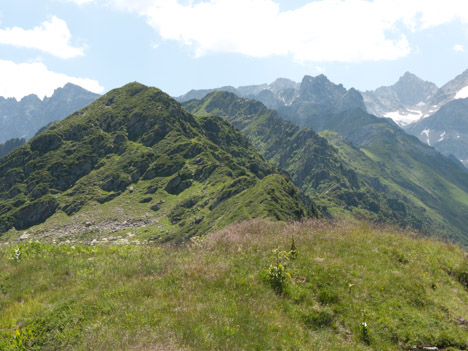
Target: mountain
pixel 22 119
pixel 10 145
pixel 422 174
pixel 457 88
pixel 318 96
pixel 342 179
pixel 136 159
pixel 286 93
pixel 446 130
pixel 282 91
pixel 412 99
pixel 406 101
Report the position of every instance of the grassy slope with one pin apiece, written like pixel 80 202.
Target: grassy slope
pixel 393 182
pixel 214 294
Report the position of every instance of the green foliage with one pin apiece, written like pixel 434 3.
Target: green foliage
pixel 277 274
pixel 17 253
pixel 22 340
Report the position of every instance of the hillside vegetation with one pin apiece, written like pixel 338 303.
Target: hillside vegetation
pixel 421 189
pixel 226 291
pixel 136 159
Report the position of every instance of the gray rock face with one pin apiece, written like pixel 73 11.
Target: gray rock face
pixel 405 101
pixel 318 96
pixel 449 91
pixel 22 119
pixel 412 90
pixel 446 130
pixel 35 213
pixel 411 99
pixel 281 92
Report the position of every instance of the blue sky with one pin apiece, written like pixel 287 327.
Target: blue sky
pixel 178 45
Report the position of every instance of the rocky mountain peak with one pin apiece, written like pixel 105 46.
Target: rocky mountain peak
pixel 282 84
pixel 412 90
pixel 22 119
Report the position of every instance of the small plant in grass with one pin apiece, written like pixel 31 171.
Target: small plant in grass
pixel 364 333
pixel 197 240
pixel 277 273
pixel 293 251
pixel 21 339
pixel 17 253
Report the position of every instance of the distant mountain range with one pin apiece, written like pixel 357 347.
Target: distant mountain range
pixel 409 102
pixel 438 117
pixel 412 99
pixel 279 93
pixel 22 119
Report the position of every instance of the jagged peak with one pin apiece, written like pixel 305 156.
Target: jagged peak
pixel 408 77
pixel 30 98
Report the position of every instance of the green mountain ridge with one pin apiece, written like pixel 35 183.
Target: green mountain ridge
pixel 422 174
pixel 136 154
pixel 314 164
pixel 365 178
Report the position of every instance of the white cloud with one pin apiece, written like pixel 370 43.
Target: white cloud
pixel 323 30
pixel 52 37
pixel 458 48
pixel 21 79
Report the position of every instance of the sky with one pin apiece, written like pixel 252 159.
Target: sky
pixel 178 45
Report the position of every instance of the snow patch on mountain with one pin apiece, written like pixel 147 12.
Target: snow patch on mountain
pixel 426 132
pixel 442 136
pixel 462 93
pixel 403 118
